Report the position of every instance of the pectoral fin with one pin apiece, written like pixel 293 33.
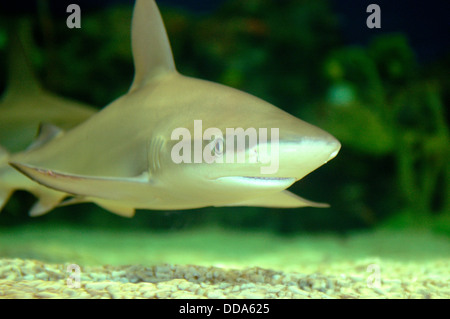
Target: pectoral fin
pixel 112 188
pixel 107 205
pixel 47 200
pixel 284 199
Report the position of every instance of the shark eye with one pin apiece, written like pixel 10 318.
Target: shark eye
pixel 218 147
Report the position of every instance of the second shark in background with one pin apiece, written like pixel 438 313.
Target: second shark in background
pixel 25 109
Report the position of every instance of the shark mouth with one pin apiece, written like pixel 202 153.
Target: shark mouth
pixel 262 181
pixel 266 178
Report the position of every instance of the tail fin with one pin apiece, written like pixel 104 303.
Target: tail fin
pixel 21 79
pixel 11 180
pixel 5 192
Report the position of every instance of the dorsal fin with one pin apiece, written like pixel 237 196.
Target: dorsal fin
pixel 46 132
pixel 21 79
pixel 151 48
pixel 3 153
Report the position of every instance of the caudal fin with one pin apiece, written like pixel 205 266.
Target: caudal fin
pixel 11 180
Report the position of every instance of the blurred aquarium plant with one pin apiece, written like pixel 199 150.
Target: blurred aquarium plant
pixel 381 105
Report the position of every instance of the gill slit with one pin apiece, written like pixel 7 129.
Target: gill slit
pixel 155 154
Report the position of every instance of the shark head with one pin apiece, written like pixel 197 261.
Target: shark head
pixel 235 145
pixel 175 142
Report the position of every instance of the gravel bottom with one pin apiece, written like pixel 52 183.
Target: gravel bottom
pixel 214 263
pixel 37 280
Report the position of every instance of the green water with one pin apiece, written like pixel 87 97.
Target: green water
pixel 216 246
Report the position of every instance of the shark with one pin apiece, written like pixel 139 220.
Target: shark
pixel 121 158
pixel 25 109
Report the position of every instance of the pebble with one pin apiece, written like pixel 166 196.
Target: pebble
pixel 163 294
pixel 70 292
pixel 275 289
pixel 215 294
pixel 248 286
pixel 97 285
pixel 200 291
pixel 98 277
pixel 379 291
pixel 162 269
pixel 184 295
pixel 42 276
pixel 42 287
pixel 224 285
pixel 297 291
pixel 117 274
pixel 118 295
pixel 46 295
pixel 11 277
pixel 112 289
pixel 183 285
pixel 235 288
pixel 149 294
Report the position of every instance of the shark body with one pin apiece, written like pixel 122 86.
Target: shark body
pixel 121 158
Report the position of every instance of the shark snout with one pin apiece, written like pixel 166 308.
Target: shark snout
pixel 330 146
pixel 300 155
